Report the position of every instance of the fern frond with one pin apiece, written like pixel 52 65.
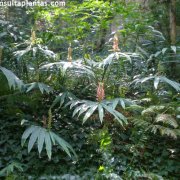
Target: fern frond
pixel 168 132
pixel 164 131
pixel 166 119
pixel 152 110
pixel 140 122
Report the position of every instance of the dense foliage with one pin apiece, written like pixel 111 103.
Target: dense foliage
pixel 88 91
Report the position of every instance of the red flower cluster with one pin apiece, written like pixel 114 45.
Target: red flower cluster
pixel 100 92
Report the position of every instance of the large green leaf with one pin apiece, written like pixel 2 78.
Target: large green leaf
pixel 174 84
pixel 27 133
pixel 41 138
pixel 63 144
pixel 12 79
pixel 48 144
pixel 113 112
pixel 33 138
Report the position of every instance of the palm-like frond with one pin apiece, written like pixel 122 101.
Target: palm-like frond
pixel 113 57
pixel 63 98
pixel 34 50
pixel 88 108
pixel 42 137
pixel 123 102
pixel 75 68
pixel 158 79
pixel 37 85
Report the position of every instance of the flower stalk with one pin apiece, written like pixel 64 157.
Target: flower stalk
pixel 33 37
pixel 116 43
pixel 49 119
pixel 69 58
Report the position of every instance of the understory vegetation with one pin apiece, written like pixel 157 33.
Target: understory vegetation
pixel 89 91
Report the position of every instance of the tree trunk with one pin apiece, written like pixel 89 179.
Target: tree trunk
pixel 172 16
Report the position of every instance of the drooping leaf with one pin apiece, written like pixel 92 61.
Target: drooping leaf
pixel 37 85
pixel 48 144
pixel 64 145
pixel 156 82
pixel 62 97
pixel 115 103
pixel 33 138
pixel 174 49
pixel 164 50
pixel 12 79
pixel 27 133
pixel 101 112
pixel 77 109
pixel 122 103
pixel 114 113
pixel 174 84
pixel 52 138
pixel 84 108
pixel 90 112
pixel 41 138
